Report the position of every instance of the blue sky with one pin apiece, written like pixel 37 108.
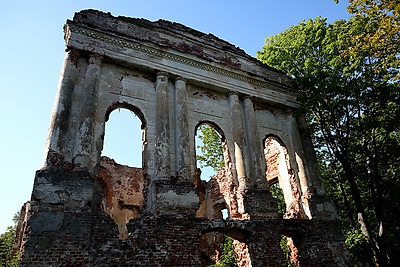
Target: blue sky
pixel 32 51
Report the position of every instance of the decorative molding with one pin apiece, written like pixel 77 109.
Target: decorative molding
pixel 190 62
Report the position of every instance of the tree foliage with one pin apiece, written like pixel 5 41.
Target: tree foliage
pixel 277 193
pixel 8 257
pixel 227 257
pixel 350 93
pixel 381 38
pixel 211 148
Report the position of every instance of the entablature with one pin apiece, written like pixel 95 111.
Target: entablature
pixel 182 56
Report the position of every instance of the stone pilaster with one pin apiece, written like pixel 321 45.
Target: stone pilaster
pixel 83 147
pixel 256 154
pixel 168 196
pixel 61 114
pixel 319 204
pixel 182 161
pixel 312 170
pixel 162 130
pixel 240 147
pixel 258 201
pixel 238 135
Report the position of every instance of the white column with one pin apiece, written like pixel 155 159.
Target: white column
pixel 59 123
pixel 240 149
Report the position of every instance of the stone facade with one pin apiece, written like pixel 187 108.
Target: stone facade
pixel 88 210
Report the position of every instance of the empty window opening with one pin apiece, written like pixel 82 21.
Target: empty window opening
pixel 222 249
pixel 213 180
pixel 209 152
pixel 277 172
pixel 123 138
pixel 122 185
pixel 282 179
pixel 225 213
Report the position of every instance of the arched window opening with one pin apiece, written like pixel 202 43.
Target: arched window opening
pixel 213 180
pixel 222 249
pixel 123 138
pixel 281 179
pixel 209 150
pixel 122 186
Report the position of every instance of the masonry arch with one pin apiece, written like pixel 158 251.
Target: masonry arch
pixel 281 176
pixel 134 109
pixel 215 242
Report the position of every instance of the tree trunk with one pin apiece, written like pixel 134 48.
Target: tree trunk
pixel 347 205
pixel 361 215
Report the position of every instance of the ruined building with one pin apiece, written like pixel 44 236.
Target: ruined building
pixel 88 210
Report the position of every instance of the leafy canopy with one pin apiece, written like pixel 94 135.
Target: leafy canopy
pixel 211 148
pixel 350 94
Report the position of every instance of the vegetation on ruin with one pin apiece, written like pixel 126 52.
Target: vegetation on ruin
pixel 227 257
pixel 348 74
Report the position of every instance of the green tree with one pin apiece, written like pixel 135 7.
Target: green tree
pixel 211 148
pixel 352 104
pixel 277 193
pixel 8 257
pixel 381 38
pixel 227 257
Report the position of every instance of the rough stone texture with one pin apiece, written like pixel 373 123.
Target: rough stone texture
pixel 87 210
pixel 122 188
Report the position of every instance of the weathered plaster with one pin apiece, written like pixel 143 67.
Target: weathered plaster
pixel 90 211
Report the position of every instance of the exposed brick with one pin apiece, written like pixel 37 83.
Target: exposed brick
pixel 88 210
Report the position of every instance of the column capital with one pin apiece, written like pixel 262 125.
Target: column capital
pixel 248 98
pixel 180 78
pixel 162 74
pixel 95 58
pixel 73 55
pixel 233 93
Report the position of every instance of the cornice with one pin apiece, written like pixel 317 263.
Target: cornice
pixel 120 41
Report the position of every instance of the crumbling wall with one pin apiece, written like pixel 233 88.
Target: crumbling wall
pixel 271 153
pixel 279 170
pixel 242 253
pixel 88 211
pixel 122 188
